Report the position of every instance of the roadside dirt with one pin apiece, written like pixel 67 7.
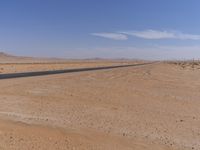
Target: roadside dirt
pixel 153 107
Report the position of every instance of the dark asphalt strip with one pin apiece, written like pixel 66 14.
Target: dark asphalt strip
pixel 51 72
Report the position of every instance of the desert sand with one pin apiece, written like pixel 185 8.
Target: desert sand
pixel 16 64
pixel 37 66
pixel 152 107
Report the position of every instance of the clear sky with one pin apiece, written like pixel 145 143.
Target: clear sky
pixel 156 29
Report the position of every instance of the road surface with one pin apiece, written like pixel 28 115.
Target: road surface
pixel 51 72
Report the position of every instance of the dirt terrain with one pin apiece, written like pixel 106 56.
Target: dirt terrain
pixel 152 107
pixel 14 64
pixel 31 67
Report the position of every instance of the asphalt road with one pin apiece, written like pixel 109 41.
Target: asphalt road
pixel 51 72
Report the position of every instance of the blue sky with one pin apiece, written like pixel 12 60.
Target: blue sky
pixel 142 29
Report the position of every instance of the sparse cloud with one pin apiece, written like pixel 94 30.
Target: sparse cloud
pixel 148 34
pixel 156 34
pixel 113 36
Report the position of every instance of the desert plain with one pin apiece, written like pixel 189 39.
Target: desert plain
pixel 150 107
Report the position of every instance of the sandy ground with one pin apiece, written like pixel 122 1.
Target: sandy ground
pixel 153 107
pixel 14 64
pixel 43 66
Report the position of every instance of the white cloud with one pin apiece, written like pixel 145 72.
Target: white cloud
pixel 113 36
pixel 156 34
pixel 188 36
pixel 148 34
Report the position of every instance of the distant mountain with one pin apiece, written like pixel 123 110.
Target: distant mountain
pixel 8 58
pixel 5 55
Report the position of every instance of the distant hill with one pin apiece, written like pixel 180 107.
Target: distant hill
pixel 5 55
pixel 8 58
